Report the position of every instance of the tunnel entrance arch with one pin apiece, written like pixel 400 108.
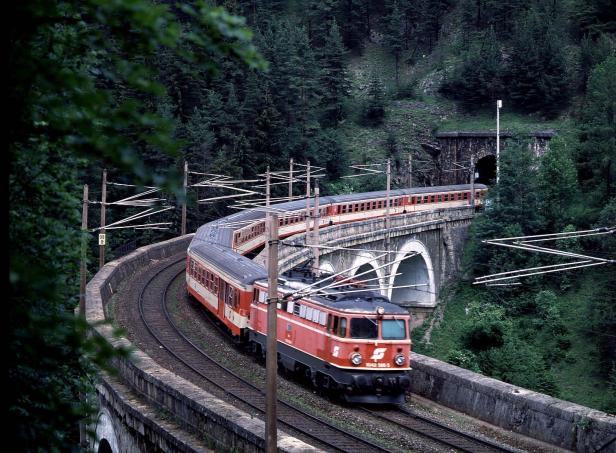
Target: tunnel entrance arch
pixel 366 262
pixel 414 270
pixel 485 170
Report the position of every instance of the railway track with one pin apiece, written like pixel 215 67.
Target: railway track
pixel 183 355
pixel 416 423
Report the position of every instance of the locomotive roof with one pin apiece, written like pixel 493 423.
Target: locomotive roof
pixel 239 267
pixel 365 302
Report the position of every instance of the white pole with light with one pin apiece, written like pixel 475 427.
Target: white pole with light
pixel 499 104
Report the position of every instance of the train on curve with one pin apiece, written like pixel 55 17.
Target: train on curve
pixel 344 337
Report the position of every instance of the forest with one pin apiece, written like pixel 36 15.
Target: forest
pixel 137 87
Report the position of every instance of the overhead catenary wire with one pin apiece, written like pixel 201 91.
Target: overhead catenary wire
pixel 527 243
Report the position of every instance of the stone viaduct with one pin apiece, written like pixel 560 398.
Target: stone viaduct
pixel 427 250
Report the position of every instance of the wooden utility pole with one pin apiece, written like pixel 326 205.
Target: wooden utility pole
pixel 499 104
pixel 271 360
pixel 183 231
pixel 472 197
pixel 83 275
pixel 102 238
pixel 315 229
pixel 387 216
pixel 84 244
pixel 291 179
pixel 308 203
pixel 387 213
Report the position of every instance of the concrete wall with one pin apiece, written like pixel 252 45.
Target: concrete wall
pixel 138 426
pixel 533 414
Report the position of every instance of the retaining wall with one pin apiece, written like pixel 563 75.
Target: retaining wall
pixel 533 414
pixel 224 426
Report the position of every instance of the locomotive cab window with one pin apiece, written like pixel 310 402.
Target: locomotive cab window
pixel 337 326
pixel 393 329
pixel 342 328
pixel 364 328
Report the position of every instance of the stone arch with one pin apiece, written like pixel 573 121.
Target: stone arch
pixel 326 267
pixel 414 270
pixel 485 169
pixel 106 439
pixel 364 262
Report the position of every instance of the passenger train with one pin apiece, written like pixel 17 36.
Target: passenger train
pixel 351 340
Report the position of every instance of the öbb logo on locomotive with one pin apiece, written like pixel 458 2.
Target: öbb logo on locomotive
pixel 355 344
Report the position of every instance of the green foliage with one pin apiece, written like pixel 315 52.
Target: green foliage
pixel 479 80
pixel 464 358
pixel 596 154
pixel 393 34
pixel 486 327
pixel 373 111
pixel 333 78
pixel 520 364
pixel 83 85
pixel 557 183
pixel 537 78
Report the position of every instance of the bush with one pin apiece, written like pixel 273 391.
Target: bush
pixel 464 359
pixel 487 327
pixel 520 364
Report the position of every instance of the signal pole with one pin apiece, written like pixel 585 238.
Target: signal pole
pixel 84 244
pixel 307 201
pixel 387 214
pixel 183 230
pixel 102 239
pixel 291 179
pixel 472 197
pixel 271 359
pixel 499 104
pixel 315 229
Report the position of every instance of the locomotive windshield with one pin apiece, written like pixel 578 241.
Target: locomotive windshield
pixel 393 329
pixel 364 328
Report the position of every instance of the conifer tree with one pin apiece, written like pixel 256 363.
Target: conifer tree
pixel 478 81
pixel 374 108
pixel 333 78
pixel 353 14
pixel 538 80
pixel 596 156
pixel 394 35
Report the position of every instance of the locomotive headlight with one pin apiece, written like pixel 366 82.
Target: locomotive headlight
pixel 356 358
pixel 380 311
pixel 399 359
